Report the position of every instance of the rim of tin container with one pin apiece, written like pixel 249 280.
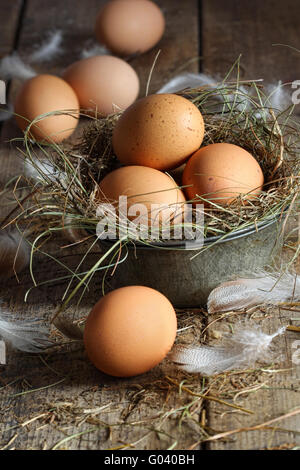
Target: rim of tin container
pixel 195 244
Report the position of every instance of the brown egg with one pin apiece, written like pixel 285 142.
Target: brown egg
pixel 103 83
pixel 147 186
pixel 129 26
pixel 129 331
pixel 160 131
pixel 43 94
pixel 221 172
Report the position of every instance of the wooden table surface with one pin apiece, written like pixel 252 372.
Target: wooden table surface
pixel 60 400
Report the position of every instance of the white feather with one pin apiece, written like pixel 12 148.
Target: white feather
pixel 42 171
pixel 49 49
pixel 279 98
pixel 24 336
pixel 12 66
pixel 194 80
pixel 39 170
pixel 240 350
pixel 94 50
pixel 187 80
pixel 255 289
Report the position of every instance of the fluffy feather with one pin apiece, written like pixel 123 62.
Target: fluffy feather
pixel 255 289
pixel 12 66
pixel 96 49
pixel 194 80
pixel 24 336
pixel 187 80
pixel 49 49
pixel 14 252
pixel 279 97
pixel 39 169
pixel 240 350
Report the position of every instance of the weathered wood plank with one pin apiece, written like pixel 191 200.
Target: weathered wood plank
pixel 9 14
pixel 179 46
pixel 270 394
pixel 10 18
pixel 76 20
pixel 58 408
pixel 251 29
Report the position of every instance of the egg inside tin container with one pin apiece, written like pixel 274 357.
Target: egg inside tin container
pixel 220 173
pixel 159 131
pixel 152 197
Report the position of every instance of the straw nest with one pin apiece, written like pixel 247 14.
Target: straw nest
pixel 234 112
pixel 63 179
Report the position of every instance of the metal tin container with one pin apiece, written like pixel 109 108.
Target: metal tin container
pixel 187 276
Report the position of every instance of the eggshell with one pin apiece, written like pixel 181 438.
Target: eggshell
pixel 44 94
pixel 221 172
pixel 129 331
pixel 143 185
pixel 160 131
pixel 129 26
pixel 103 83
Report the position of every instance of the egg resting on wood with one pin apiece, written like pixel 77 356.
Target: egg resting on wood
pixel 45 94
pixel 129 331
pixel 146 186
pixel 103 84
pixel 129 26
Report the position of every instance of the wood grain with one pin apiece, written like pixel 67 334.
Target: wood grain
pixel 60 386
pixel 252 29
pixel 179 47
pixel 72 383
pixel 9 13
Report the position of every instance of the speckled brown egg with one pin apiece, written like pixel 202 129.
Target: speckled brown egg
pixel 147 186
pixel 160 131
pixel 103 84
pixel 221 172
pixel 129 26
pixel 44 94
pixel 129 331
